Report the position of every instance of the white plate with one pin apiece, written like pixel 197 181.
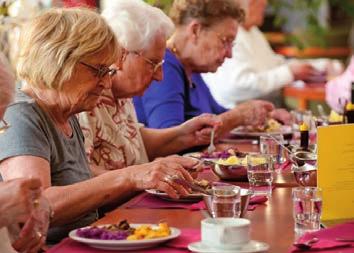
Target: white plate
pixel 125 244
pixel 197 155
pixel 285 130
pixel 192 197
pixel 251 247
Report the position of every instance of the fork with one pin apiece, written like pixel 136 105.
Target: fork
pixel 192 186
pixel 211 147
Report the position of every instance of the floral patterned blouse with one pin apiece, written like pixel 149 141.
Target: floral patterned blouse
pixel 112 135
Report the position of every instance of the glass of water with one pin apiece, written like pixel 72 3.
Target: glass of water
pixel 226 201
pixel 259 173
pixel 307 209
pixel 269 145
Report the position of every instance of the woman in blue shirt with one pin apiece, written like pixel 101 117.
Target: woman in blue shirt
pixel 205 31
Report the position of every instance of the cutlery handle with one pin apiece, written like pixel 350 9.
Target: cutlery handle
pixel 343 239
pixel 212 137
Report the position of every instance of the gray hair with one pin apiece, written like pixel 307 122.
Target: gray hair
pixel 136 24
pixel 7 82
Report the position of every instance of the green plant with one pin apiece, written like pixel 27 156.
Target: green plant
pixel 162 4
pixel 315 32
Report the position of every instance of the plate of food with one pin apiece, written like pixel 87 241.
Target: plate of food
pixel 214 156
pixel 125 236
pixel 192 197
pixel 272 127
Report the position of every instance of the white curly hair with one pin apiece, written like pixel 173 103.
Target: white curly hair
pixel 136 23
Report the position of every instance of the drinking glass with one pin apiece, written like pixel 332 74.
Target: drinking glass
pixel 259 173
pixel 269 145
pixel 300 117
pixel 307 209
pixel 226 201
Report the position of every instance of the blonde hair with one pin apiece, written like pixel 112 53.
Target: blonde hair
pixel 55 41
pixel 136 23
pixel 7 82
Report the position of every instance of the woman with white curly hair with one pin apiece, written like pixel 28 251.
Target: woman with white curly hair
pixel 113 137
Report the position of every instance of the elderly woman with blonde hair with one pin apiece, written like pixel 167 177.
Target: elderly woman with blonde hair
pixel 64 60
pixel 113 136
pixel 21 200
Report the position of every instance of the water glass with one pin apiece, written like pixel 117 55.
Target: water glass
pixel 269 145
pixel 259 173
pixel 300 117
pixel 226 201
pixel 307 209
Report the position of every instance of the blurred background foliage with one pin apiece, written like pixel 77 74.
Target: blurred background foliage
pixel 321 23
pixel 306 23
pixel 162 4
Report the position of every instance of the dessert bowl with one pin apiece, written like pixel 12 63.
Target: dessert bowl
pixel 233 168
pixel 245 198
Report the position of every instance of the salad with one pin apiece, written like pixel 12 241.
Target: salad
pixel 123 231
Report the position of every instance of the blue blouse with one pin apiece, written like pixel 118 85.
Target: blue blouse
pixel 174 100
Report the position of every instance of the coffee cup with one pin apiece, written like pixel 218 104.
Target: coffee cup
pixel 225 233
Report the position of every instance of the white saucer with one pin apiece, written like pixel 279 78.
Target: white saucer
pixel 251 247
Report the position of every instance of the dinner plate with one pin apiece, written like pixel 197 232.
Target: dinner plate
pixel 251 247
pixel 197 155
pixel 125 244
pixel 240 132
pixel 192 197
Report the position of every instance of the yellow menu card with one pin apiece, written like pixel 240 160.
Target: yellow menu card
pixel 335 173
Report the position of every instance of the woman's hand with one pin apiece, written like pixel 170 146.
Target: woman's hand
pixel 198 129
pixel 33 234
pixel 282 115
pixel 18 199
pixel 157 175
pixel 252 113
pixel 303 71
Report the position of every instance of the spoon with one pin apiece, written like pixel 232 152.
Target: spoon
pixel 283 146
pixel 306 244
pixel 279 143
pixel 211 147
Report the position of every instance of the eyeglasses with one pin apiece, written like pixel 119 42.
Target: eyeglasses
pixel 101 71
pixel 226 42
pixel 4 126
pixel 155 65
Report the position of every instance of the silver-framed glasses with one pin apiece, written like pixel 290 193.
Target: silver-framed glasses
pixel 155 65
pixel 3 126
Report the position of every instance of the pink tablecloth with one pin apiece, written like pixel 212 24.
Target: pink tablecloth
pixel 178 245
pixel 327 240
pixel 146 200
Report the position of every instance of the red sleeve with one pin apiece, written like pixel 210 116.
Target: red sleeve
pixel 76 3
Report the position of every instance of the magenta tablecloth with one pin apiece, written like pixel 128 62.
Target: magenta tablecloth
pixel 146 200
pixel 178 245
pixel 327 239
